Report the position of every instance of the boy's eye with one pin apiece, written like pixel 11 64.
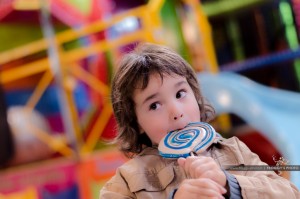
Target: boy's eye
pixel 154 106
pixel 180 94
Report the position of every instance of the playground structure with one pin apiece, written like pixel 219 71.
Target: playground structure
pixel 273 112
pixel 62 67
pixel 68 67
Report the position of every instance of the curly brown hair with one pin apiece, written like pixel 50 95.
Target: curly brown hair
pixel 134 71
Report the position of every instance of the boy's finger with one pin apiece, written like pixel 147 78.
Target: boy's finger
pixel 181 161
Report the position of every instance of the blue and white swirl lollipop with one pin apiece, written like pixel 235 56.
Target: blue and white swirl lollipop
pixel 194 138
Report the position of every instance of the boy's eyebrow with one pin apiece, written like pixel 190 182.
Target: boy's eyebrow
pixel 180 83
pixel 150 97
pixel 155 94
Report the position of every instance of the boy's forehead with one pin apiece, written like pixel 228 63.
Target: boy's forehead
pixel 157 85
pixel 157 82
pixel 159 78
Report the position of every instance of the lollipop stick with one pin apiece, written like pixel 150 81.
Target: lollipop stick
pixel 193 153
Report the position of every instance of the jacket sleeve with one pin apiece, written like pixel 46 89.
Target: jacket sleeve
pixel 262 184
pixel 116 188
pixel 233 187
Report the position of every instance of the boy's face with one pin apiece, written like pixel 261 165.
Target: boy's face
pixel 165 106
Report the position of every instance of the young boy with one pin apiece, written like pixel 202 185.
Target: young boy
pixel 154 92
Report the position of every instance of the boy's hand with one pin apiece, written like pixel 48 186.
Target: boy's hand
pixel 200 188
pixel 203 167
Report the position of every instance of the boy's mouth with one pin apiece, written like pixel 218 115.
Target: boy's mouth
pixel 179 128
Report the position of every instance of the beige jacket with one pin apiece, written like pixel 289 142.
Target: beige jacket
pixel 149 176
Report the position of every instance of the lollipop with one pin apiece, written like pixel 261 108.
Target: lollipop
pixel 194 138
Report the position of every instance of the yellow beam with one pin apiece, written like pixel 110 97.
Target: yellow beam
pixel 23 51
pixel 13 74
pixel 39 89
pixel 98 128
pixel 98 26
pixel 155 5
pixel 102 46
pixel 205 32
pixel 67 36
pixel 26 4
pixel 90 80
pixel 57 144
pixel 69 90
pixel 148 26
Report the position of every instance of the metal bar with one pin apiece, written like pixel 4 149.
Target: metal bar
pixel 58 74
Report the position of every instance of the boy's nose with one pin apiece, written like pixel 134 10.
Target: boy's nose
pixel 178 116
pixel 175 111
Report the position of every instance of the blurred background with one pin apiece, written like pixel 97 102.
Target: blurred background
pixel 57 58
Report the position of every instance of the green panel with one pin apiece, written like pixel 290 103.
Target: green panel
pixel 14 35
pixel 83 6
pixel 216 8
pixel 109 57
pixel 235 38
pixel 172 26
pixel 290 32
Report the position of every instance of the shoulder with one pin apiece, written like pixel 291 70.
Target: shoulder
pixel 148 159
pixel 147 171
pixel 232 141
pixel 236 150
pixel 234 144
